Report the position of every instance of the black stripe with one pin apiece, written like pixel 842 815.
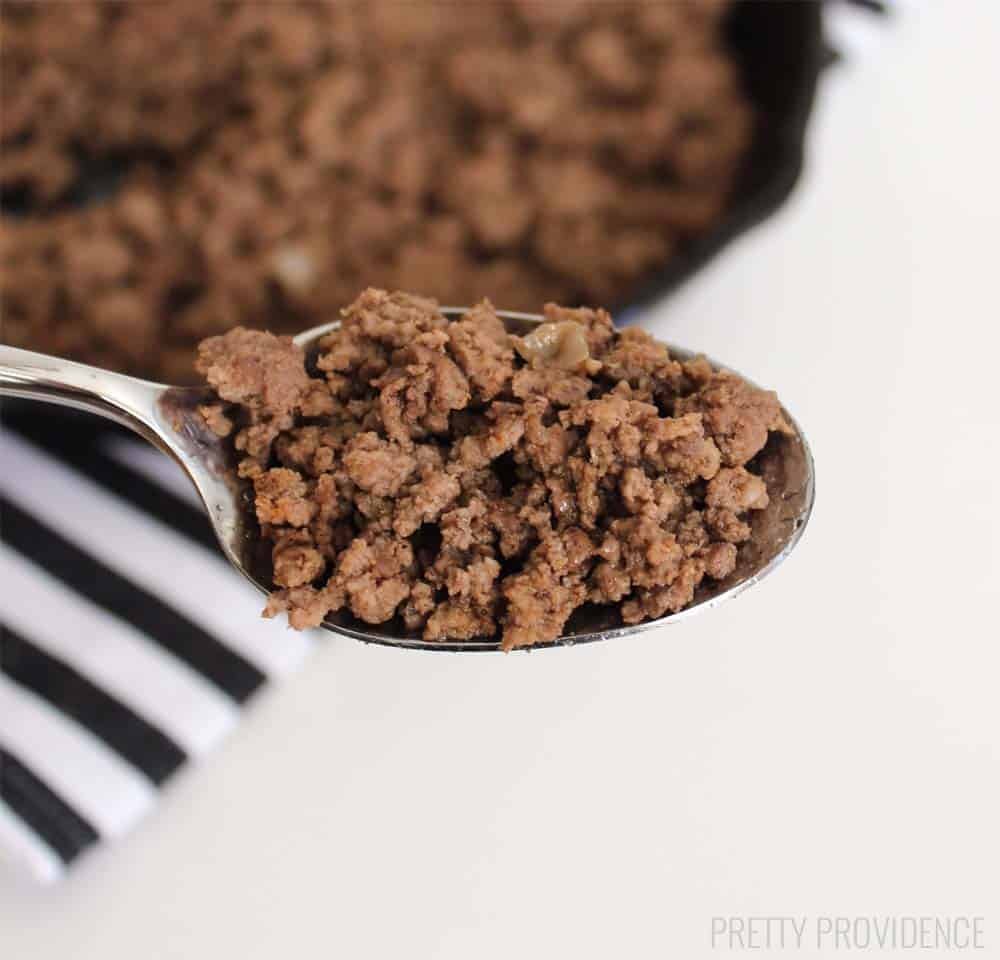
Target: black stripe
pixel 138 741
pixel 42 809
pixel 81 447
pixel 85 574
pixel 872 6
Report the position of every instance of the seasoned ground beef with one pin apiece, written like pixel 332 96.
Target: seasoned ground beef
pixel 172 169
pixel 474 483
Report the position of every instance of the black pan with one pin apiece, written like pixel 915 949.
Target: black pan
pixel 780 50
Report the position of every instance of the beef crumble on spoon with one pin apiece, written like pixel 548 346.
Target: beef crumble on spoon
pixel 472 482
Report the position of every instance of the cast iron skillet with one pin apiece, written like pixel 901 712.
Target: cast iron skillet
pixel 780 50
pixel 779 47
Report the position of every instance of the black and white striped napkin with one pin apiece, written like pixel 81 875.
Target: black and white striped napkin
pixel 128 644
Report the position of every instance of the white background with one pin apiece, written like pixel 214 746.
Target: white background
pixel 827 744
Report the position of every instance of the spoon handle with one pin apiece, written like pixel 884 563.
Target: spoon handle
pixel 126 400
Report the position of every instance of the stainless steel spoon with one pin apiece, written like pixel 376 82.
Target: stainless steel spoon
pixel 167 417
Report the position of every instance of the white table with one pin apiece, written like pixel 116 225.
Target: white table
pixel 825 745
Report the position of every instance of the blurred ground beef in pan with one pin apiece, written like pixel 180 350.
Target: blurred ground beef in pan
pixel 170 170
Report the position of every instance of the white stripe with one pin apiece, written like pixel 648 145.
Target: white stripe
pixel 195 581
pixel 854 32
pixel 114 655
pixel 21 845
pixel 89 776
pixel 153 465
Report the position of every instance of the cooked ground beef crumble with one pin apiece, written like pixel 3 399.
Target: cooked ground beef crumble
pixel 472 482
pixel 180 168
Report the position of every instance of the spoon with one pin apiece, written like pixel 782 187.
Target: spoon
pixel 168 418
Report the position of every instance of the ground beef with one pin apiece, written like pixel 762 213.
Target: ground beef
pixel 263 372
pixel 473 483
pixel 170 170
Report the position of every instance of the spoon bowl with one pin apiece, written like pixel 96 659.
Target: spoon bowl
pixel 168 417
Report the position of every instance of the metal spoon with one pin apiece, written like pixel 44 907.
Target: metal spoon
pixel 167 417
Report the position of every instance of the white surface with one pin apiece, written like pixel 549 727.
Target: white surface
pixel 827 744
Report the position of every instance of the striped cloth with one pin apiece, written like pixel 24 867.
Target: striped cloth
pixel 128 643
